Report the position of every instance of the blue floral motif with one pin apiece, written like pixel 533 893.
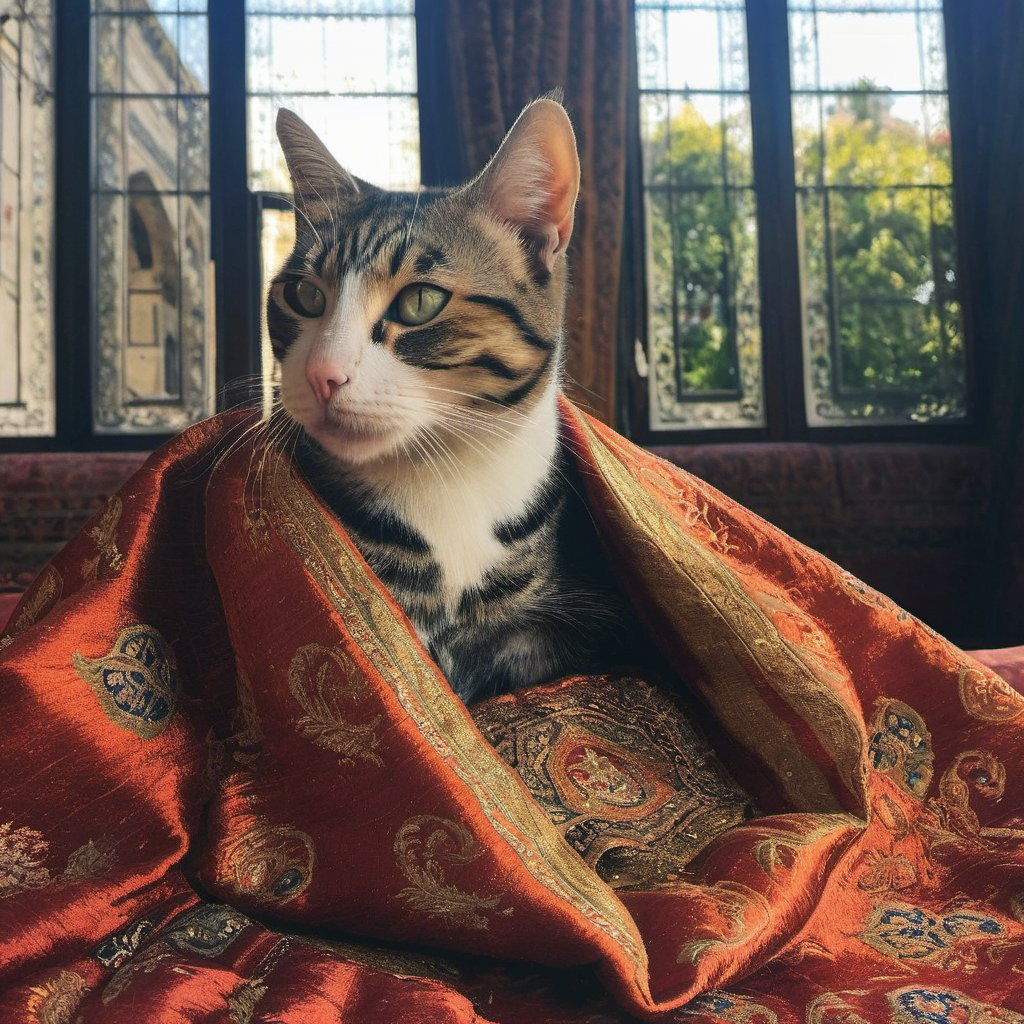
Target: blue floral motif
pixel 910 933
pixel 901 746
pixel 136 681
pixel 943 1006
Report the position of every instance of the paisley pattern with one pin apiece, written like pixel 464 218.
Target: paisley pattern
pixel 989 697
pixel 136 681
pixel 426 848
pixel 909 933
pixel 929 1005
pixel 901 746
pixel 270 864
pixel 322 680
pixel 616 765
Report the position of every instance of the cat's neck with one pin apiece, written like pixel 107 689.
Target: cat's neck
pixel 455 489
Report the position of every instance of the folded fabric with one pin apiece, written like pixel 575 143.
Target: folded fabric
pixel 236 787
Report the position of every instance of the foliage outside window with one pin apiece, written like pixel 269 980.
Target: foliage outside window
pixel 882 341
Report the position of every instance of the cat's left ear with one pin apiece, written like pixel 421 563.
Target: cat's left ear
pixel 533 180
pixel 317 178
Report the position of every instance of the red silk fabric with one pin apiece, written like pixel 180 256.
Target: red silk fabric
pixel 236 788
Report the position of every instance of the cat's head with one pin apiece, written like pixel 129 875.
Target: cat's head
pixel 400 317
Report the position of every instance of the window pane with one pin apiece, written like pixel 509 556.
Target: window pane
pixel 351 74
pixel 347 68
pixel 704 343
pixel 883 341
pixel 153 336
pixel 26 222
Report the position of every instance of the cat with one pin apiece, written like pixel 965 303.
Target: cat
pixel 420 342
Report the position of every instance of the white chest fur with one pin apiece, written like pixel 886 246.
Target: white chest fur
pixel 455 499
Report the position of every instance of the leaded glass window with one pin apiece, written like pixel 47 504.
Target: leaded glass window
pixel 883 341
pixel 27 404
pixel 153 329
pixel 704 340
pixel 348 68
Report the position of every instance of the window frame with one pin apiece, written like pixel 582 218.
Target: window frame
pixel 778 269
pixel 235 214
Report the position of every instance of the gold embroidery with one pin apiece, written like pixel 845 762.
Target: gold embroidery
pixel 271 863
pixel 886 872
pixel 244 999
pixel 22 852
pixel 901 746
pixel 104 533
pixel 399 963
pixel 620 771
pixel 733 638
pixel 779 846
pixel 145 962
pixel 975 771
pixel 743 912
pixel 89 860
pixel 135 681
pixel 988 696
pixel 38 600
pixel 423 846
pixel 247 739
pixel 320 678
pixel 56 1000
pixel 922 1002
pixel 727 1008
pixel 824 1009
pixel 396 655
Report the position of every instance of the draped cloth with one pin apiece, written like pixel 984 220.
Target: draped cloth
pixel 236 787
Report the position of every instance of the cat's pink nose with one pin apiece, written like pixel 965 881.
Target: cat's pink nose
pixel 325 378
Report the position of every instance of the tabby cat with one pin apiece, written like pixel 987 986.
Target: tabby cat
pixel 420 342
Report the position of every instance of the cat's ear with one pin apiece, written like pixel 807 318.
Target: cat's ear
pixel 317 178
pixel 533 180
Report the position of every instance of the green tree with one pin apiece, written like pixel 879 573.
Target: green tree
pixel 878 272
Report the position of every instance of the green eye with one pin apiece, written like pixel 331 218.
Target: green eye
pixel 418 303
pixel 305 298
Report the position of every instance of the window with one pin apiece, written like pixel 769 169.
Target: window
pixel 798 245
pixel 151 327
pixel 349 70
pixel 27 405
pixel 860 156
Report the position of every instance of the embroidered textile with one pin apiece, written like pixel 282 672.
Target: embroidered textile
pixel 237 788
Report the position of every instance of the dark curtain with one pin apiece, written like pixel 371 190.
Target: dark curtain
pixel 986 67
pixel 480 63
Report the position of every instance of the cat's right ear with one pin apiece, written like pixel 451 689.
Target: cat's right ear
pixel 317 178
pixel 533 180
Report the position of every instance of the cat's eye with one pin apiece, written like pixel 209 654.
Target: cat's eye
pixel 416 304
pixel 305 298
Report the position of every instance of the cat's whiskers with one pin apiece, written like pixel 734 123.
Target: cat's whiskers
pixel 300 212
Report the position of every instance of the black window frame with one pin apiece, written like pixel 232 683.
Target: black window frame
pixel 235 214
pixel 782 357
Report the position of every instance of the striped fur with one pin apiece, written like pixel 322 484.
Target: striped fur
pixel 436 442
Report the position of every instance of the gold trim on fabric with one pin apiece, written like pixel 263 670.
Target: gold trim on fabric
pixel 390 645
pixel 723 626
pixel 40 597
